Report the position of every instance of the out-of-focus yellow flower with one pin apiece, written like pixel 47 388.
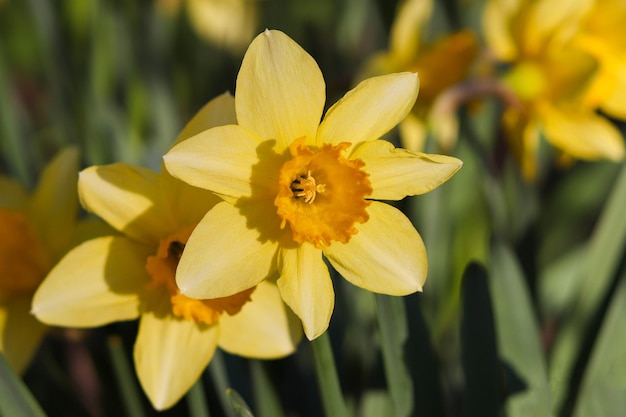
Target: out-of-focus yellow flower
pixel 35 231
pixel 124 277
pixel 601 33
pixel 228 23
pixel 440 64
pixel 297 190
pixel 558 83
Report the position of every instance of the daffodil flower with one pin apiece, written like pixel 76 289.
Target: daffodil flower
pixel 227 23
pixel 441 64
pixel 129 276
pixel 296 190
pixel 556 80
pixel 35 231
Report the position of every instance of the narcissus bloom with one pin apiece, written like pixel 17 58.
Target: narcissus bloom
pixel 35 231
pixel 441 64
pixel 559 81
pixel 296 189
pixel 127 276
pixel 227 23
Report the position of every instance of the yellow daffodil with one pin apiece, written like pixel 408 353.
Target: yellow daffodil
pixel 600 33
pixel 297 190
pixel 124 277
pixel 35 231
pixel 227 23
pixel 552 77
pixel 440 64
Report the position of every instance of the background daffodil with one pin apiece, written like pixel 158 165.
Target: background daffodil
pixel 556 80
pixel 35 231
pixel 441 63
pixel 128 276
pixel 297 190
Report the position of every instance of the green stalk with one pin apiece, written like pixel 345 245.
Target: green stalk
pixel 266 399
pixel 196 400
pixel 124 375
pixel 394 332
pixel 327 379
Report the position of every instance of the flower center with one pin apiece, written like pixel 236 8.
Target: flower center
pixel 23 258
pixel 162 269
pixel 321 194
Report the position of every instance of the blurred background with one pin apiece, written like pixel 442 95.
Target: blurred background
pixel 524 310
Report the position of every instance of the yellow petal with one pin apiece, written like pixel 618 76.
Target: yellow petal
pixel 582 134
pixel 187 203
pixel 229 24
pixel 223 256
pixel 413 133
pixel 306 287
pixel 170 355
pixel 280 91
pixel 396 173
pixel 128 198
pixel 370 110
pixel 218 112
pixel 265 328
pixel 54 205
pixel 387 256
pixel 20 332
pixel 12 194
pixel 496 27
pixel 219 159
pixel 98 282
pixel 408 26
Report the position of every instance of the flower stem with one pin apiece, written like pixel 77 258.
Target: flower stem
pixel 196 400
pixel 128 387
pixel 327 379
pixel 394 332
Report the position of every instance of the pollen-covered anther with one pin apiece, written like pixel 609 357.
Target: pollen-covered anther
pixel 342 182
pixel 306 186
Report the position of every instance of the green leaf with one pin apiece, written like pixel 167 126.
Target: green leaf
pixel 603 390
pixel 237 404
pixel 479 357
pixel 518 335
pixel 15 398
pixel 599 268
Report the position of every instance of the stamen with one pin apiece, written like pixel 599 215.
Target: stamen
pixel 306 186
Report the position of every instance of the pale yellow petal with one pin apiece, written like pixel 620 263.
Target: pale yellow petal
pixel 396 173
pixel 265 328
pixel 306 287
pixel 370 110
pixel 54 205
pixel 386 256
pixel 280 91
pixel 495 23
pixel 20 332
pixel 224 256
pixel 12 194
pixel 187 203
pixel 413 133
pixel 583 134
pixel 98 282
pixel 219 159
pixel 230 24
pixel 170 355
pixel 408 27
pixel 218 112
pixel 128 198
